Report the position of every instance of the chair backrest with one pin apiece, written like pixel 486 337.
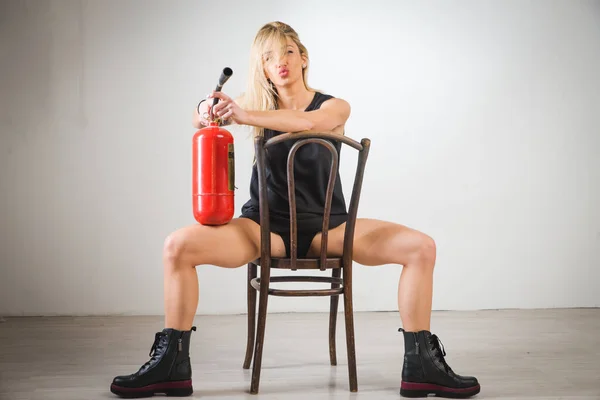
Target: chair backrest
pixel 302 139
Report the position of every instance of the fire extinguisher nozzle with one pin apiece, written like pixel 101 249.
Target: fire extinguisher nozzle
pixel 225 75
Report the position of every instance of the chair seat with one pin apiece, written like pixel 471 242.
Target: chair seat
pixel 303 263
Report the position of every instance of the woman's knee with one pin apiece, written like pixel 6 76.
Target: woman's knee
pixel 228 246
pixel 174 249
pixel 424 250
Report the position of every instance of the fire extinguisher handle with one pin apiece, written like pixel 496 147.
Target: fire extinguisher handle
pixel 225 75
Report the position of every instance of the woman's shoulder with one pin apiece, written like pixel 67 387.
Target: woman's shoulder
pixel 319 94
pixel 319 98
pixel 333 102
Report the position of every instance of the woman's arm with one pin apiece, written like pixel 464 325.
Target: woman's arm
pixel 332 113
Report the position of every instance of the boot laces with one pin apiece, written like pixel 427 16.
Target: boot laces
pixel 439 351
pixel 157 342
pixel 157 346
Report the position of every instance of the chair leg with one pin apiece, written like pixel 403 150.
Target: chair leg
pixel 265 275
pixel 333 318
pixel 349 314
pixel 251 315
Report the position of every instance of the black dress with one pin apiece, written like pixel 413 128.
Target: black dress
pixel 311 174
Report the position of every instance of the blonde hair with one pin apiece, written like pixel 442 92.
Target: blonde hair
pixel 260 94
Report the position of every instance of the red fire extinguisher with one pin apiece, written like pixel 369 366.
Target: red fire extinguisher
pixel 213 171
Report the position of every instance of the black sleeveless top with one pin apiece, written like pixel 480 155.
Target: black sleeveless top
pixel 312 165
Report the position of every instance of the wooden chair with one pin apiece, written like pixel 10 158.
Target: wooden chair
pixel 340 266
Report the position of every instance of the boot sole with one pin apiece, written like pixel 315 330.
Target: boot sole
pixel 414 390
pixel 174 389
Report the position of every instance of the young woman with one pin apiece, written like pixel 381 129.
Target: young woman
pixel 278 100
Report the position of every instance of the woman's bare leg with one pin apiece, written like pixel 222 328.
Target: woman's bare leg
pixel 227 246
pixel 380 242
pixel 169 370
pixel 424 369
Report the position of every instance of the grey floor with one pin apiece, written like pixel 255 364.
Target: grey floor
pixel 533 354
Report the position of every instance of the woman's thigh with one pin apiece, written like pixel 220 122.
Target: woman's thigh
pixel 378 242
pixel 229 246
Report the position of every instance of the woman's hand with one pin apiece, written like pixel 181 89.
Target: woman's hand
pixel 227 109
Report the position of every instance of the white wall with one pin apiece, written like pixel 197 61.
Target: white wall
pixel 491 111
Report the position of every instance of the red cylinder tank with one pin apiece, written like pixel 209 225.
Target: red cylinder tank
pixel 213 175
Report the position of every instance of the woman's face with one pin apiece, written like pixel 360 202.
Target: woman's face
pixel 284 66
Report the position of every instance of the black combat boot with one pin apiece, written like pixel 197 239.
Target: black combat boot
pixel 425 370
pixel 168 371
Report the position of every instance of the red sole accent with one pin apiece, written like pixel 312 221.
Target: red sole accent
pixel 415 389
pixel 175 388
